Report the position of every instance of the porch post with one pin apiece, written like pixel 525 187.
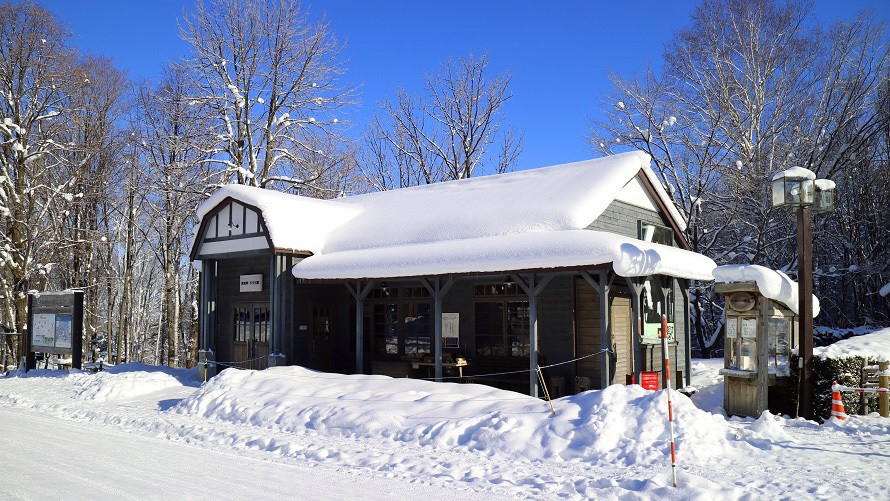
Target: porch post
pixel 278 297
pixel 359 293
pixel 666 284
pixel 438 290
pixel 636 286
pixel 606 279
pixel 206 318
pixel 687 328
pixel 533 290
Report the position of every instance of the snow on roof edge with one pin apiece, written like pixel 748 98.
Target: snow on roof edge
pixel 509 253
pixel 771 283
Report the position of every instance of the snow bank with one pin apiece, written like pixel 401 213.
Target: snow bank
pixel 127 381
pixel 875 345
pixel 623 424
pixel 571 248
pixel 772 283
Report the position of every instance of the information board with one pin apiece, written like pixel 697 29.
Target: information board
pixel 55 321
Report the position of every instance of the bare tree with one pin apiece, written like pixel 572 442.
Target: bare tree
pixel 453 130
pixel 270 78
pixel 173 149
pixel 35 66
pixel 749 89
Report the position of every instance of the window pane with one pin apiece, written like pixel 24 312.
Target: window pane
pixel 417 328
pixel 489 318
pixel 518 328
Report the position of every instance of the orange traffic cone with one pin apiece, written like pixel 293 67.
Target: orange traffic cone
pixel 837 403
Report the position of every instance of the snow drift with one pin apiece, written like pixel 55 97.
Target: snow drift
pixel 624 424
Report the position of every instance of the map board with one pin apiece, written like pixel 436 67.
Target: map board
pixel 56 326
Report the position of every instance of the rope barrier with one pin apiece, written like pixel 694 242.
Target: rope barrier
pixel 523 371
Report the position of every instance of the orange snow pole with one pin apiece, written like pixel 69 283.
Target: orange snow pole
pixel 837 402
pixel 667 371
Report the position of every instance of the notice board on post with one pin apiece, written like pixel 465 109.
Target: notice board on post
pixel 55 326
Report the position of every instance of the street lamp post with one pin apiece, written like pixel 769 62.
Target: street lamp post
pixel 798 187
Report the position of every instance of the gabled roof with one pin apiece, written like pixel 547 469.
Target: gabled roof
pixel 507 220
pixel 561 197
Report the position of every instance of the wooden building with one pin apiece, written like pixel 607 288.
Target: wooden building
pixel 490 274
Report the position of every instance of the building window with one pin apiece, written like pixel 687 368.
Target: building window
pixel 501 321
pixel 397 321
pixel 416 325
pixel 654 304
pixel 654 233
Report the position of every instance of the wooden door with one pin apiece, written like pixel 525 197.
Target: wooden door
pixel 259 353
pixel 321 340
pixel 251 335
pixel 622 338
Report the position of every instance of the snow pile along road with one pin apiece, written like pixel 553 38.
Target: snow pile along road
pixel 128 381
pixel 624 424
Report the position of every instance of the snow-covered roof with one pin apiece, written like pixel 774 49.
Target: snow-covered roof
pixel 519 220
pixel 794 172
pixel 294 222
pixel 771 283
pixel 523 251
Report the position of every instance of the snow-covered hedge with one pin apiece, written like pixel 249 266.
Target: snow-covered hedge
pixel 843 362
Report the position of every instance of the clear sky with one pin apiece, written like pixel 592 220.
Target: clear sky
pixel 560 53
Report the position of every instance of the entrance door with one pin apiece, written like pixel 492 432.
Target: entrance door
pixel 251 328
pixel 321 341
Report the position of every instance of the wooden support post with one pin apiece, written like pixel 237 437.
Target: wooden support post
pixel 761 398
pixel 636 287
pixel 533 290
pixel 884 382
pixel 359 293
pixel 684 285
pixel 437 290
pixel 805 307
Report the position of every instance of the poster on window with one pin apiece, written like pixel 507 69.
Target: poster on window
pixel 732 328
pixel 451 330
pixel 749 328
pixel 44 330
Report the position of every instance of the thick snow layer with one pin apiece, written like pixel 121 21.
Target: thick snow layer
pixel 795 172
pixel 623 424
pixel 294 222
pixel 771 283
pixel 552 249
pixel 875 345
pixel 825 184
pixel 264 435
pixel 562 197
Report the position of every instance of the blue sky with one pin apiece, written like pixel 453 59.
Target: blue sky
pixel 560 53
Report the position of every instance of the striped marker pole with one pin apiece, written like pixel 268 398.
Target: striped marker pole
pixel 667 371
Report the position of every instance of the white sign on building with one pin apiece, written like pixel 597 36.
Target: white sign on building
pixel 251 283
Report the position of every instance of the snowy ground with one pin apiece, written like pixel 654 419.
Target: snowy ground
pixel 145 432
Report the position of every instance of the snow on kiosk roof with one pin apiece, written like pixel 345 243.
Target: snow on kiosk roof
pixel 771 283
pixel 521 220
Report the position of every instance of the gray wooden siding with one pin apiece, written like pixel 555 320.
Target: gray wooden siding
pixel 621 218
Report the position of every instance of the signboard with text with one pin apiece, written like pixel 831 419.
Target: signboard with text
pixel 55 321
pixel 251 283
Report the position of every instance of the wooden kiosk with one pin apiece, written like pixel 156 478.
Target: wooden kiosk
pixel 759 337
